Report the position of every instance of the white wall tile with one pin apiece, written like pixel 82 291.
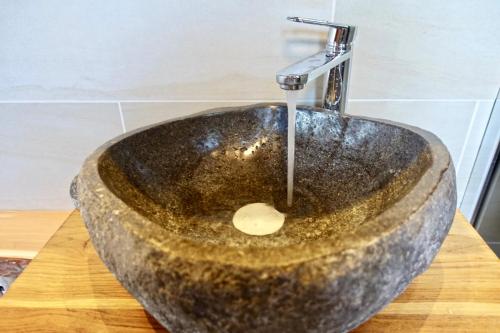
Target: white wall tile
pixel 448 120
pixel 424 48
pixel 42 147
pixel 194 49
pixel 483 160
pixel 228 49
pixel 224 53
pixel 472 142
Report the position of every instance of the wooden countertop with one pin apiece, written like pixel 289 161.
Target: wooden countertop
pixel 66 288
pixel 24 233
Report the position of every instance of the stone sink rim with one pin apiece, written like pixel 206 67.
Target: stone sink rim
pixel 370 232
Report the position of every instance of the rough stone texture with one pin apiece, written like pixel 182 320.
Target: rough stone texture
pixel 73 192
pixel 10 268
pixel 374 201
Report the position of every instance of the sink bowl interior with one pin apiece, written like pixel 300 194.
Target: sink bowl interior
pixel 189 176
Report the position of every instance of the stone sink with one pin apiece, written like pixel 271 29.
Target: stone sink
pixel 373 202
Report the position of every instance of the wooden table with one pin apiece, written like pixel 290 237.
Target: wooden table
pixel 67 289
pixel 24 233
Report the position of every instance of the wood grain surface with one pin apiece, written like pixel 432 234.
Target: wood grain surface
pixel 67 289
pixel 24 233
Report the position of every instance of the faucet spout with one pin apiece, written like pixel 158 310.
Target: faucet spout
pixel 334 60
pixel 297 75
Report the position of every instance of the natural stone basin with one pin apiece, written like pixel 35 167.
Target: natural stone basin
pixel 373 202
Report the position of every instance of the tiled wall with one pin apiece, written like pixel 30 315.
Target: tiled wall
pixel 433 64
pixel 73 75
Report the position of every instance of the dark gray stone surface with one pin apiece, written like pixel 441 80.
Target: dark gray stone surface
pixel 10 269
pixel 373 203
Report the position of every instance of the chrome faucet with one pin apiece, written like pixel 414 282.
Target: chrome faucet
pixel 334 59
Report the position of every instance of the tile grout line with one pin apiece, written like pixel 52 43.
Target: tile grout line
pixel 122 119
pixel 112 101
pixel 467 138
pixel 449 100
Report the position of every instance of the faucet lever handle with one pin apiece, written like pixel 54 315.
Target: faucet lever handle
pixel 316 22
pixel 340 36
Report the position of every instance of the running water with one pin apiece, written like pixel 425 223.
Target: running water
pixel 291 100
pixel 260 219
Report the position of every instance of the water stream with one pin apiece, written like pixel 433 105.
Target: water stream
pixel 259 219
pixel 291 100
